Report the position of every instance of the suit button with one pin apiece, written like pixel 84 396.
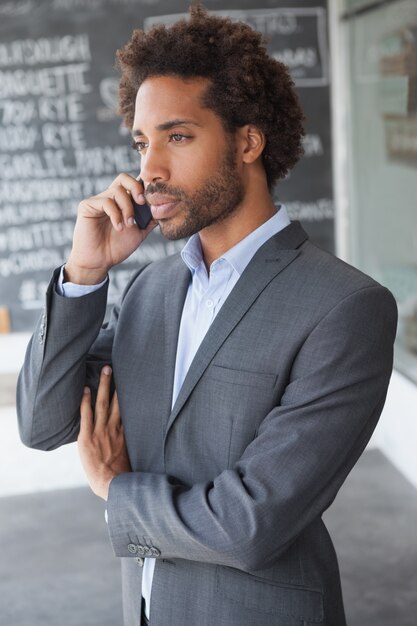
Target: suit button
pixel 140 550
pixel 147 551
pixel 132 548
pixel 139 561
pixel 155 551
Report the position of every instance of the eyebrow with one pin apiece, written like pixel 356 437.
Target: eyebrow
pixel 166 126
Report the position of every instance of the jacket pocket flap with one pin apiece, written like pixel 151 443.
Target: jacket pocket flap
pixel 241 377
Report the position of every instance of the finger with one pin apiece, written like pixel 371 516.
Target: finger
pixel 101 206
pixel 119 208
pixel 123 198
pixel 102 401
pixel 114 413
pixel 86 412
pixel 141 193
pixel 133 185
pixel 116 201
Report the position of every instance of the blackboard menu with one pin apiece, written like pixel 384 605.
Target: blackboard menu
pixel 61 140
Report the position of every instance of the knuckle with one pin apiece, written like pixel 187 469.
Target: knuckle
pixel 101 404
pixel 121 180
pixel 118 178
pixel 82 206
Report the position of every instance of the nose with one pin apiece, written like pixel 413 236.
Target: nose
pixel 153 166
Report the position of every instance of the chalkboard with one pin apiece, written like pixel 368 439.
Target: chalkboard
pixel 61 140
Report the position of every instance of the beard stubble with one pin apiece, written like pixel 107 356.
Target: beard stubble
pixel 217 199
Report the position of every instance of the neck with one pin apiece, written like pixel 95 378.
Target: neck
pixel 217 239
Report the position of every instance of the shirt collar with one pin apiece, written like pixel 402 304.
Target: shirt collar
pixel 240 255
pixel 192 254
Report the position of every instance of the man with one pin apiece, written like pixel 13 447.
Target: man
pixel 250 370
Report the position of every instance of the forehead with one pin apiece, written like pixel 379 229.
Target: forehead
pixel 161 98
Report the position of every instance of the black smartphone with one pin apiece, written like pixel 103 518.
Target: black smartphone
pixel 142 213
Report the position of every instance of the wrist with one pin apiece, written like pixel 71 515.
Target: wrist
pixel 103 489
pixel 83 276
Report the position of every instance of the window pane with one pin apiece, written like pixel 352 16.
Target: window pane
pixel 383 74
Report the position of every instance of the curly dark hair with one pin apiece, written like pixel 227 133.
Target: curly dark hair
pixel 247 85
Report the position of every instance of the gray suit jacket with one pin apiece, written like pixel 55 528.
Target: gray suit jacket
pixel 228 487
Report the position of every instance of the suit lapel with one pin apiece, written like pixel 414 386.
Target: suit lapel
pixel 275 255
pixel 176 285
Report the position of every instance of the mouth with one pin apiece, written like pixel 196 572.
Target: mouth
pixel 162 209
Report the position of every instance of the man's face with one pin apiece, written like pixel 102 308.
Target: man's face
pixel 188 161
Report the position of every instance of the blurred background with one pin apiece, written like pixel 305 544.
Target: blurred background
pixel 354 63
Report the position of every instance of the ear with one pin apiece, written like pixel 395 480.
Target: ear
pixel 252 143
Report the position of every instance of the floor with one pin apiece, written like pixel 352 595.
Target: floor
pixel 373 523
pixel 57 567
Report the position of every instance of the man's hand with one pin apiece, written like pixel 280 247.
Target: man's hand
pixel 101 442
pixel 105 233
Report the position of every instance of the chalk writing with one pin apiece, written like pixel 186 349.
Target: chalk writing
pixel 67 108
pixel 103 160
pixel 16 8
pixel 68 49
pixel 36 236
pixel 18 138
pixel 306 57
pixel 311 211
pixel 32 294
pixel 66 163
pixel 25 213
pixel 51 81
pixel 27 262
pixel 313 145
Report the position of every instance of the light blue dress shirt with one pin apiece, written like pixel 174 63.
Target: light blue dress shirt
pixel 206 295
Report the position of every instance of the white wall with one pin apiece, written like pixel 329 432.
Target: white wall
pixel 396 434
pixel 12 351
pixel 24 470
pixel 27 471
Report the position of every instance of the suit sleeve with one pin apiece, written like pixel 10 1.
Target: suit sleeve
pixel 66 352
pixel 290 473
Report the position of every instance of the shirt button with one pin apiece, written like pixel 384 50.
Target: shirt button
pixel 209 303
pixel 139 561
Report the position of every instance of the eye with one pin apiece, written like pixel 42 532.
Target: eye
pixel 139 146
pixel 178 137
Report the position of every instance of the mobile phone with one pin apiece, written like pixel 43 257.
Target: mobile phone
pixel 142 213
